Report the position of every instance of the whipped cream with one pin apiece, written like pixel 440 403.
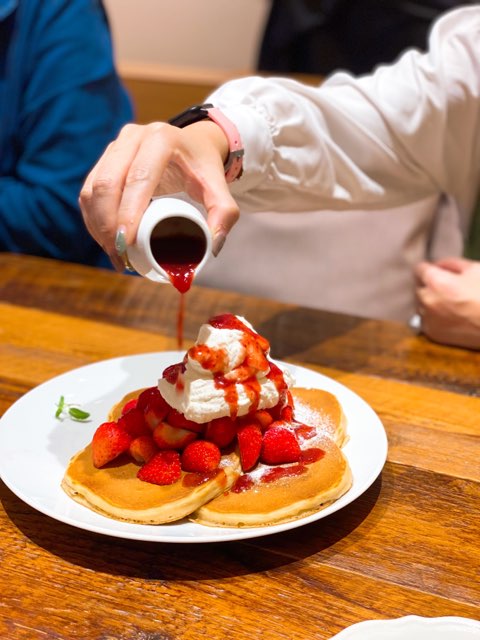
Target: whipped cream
pixel 226 373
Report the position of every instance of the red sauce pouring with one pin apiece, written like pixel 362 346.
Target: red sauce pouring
pixel 179 254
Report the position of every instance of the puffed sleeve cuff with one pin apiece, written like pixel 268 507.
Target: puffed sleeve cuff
pixel 255 133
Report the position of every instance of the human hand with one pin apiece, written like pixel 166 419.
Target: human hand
pixel 448 295
pixel 151 160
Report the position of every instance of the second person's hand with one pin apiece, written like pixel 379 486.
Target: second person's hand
pixel 448 295
pixel 157 159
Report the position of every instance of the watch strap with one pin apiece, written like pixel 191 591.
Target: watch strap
pixel 233 165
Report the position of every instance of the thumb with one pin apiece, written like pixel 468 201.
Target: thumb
pixel 438 279
pixel 222 211
pixel 454 264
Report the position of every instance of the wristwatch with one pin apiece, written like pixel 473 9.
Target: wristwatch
pixel 233 165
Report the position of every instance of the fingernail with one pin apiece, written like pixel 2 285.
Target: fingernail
pixel 218 242
pixel 120 240
pixel 121 263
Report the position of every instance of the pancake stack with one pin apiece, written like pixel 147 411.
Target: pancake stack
pixel 243 464
pixel 296 490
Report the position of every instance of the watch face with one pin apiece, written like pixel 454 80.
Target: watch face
pixel 191 115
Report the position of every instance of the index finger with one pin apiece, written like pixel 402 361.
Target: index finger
pixel 144 175
pixel 101 194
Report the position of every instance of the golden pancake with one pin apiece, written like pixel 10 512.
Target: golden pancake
pixel 320 409
pixel 297 490
pixel 115 491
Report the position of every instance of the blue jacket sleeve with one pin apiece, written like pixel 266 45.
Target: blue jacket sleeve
pixel 72 104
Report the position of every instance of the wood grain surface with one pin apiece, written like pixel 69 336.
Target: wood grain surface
pixel 408 545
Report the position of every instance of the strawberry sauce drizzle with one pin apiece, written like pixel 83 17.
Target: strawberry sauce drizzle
pixel 197 479
pixel 180 320
pixel 276 473
pixel 179 255
pixel 230 393
pixel 276 376
pixel 308 456
pixel 216 361
pixel 311 455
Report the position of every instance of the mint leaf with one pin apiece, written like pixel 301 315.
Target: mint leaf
pixel 64 409
pixel 78 414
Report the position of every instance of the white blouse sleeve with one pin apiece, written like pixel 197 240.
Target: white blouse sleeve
pixel 409 130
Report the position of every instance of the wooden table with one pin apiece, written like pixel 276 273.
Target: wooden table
pixel 408 545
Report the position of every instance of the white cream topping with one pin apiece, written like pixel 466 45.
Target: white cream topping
pixel 196 394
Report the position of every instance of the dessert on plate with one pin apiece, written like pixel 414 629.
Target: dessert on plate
pixel 225 439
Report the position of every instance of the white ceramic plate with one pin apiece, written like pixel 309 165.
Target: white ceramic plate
pixel 413 628
pixel 36 447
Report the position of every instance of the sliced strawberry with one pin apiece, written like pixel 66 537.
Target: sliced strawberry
pixel 286 414
pixel 172 373
pixel 285 400
pixel 131 404
pixel 168 437
pixel 249 438
pixel 263 418
pixel 133 422
pixel 280 445
pixel 177 419
pixel 108 442
pixel 200 456
pixel 287 411
pixel 143 448
pixel 276 410
pixel 221 431
pixel 152 393
pixel 155 411
pixel 164 468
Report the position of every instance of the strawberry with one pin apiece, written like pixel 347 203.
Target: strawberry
pixel 263 418
pixel 163 468
pixel 146 396
pixel 173 372
pixel 143 448
pixel 200 456
pixel 108 442
pixel 155 410
pixel 177 419
pixel 133 422
pixel 168 437
pixel 276 410
pixel 280 445
pixel 284 401
pixel 287 412
pixel 221 431
pixel 131 404
pixel 249 438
